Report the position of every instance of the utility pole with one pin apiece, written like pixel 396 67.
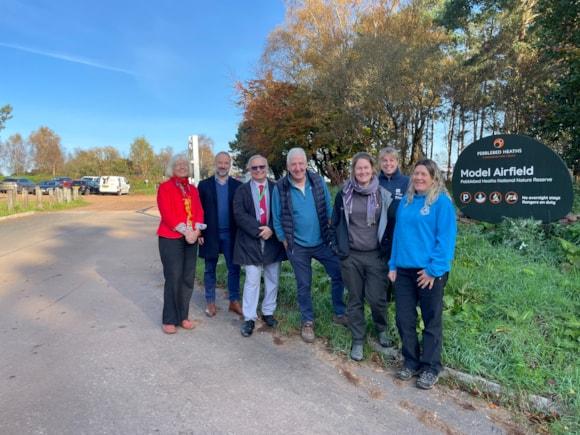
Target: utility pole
pixel 193 147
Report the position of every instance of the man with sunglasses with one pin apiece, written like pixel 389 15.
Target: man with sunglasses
pixel 256 248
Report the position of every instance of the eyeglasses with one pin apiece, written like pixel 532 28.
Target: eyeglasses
pixel 259 167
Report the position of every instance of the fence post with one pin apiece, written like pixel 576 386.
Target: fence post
pixel 75 192
pixel 38 198
pixel 24 195
pixel 10 195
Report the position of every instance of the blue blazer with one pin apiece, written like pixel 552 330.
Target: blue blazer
pixel 208 197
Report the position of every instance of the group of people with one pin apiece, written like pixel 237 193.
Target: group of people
pixel 386 234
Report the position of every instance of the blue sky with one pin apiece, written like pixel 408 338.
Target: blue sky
pixel 101 73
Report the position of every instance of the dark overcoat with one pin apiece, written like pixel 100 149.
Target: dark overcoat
pixel 208 196
pixel 248 249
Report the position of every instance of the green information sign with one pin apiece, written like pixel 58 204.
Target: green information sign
pixel 511 176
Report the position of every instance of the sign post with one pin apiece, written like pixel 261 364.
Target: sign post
pixel 193 147
pixel 511 176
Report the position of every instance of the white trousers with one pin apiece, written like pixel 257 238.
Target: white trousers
pixel 252 290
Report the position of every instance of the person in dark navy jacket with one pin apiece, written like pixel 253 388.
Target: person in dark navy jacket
pixel 217 194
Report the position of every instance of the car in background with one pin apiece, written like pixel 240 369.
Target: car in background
pixel 47 185
pixel 63 182
pixel 114 184
pixel 18 184
pixel 92 182
pixel 83 185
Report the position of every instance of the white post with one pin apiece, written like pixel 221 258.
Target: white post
pixel 193 146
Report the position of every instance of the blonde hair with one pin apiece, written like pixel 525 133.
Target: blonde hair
pixel 436 189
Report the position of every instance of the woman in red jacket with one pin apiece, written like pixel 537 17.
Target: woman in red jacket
pixel 180 226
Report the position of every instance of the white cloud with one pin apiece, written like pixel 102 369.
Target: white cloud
pixel 69 58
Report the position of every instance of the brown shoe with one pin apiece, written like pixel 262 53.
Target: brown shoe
pixel 169 329
pixel 235 307
pixel 210 311
pixel 307 332
pixel 187 324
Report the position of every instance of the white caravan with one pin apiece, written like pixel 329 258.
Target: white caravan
pixel 114 184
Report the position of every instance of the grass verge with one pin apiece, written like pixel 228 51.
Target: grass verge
pixel 46 206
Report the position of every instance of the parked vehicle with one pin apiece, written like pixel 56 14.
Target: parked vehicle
pixel 92 182
pixel 83 185
pixel 114 184
pixel 63 181
pixel 47 185
pixel 19 184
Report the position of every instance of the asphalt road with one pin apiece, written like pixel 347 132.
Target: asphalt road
pixel 81 351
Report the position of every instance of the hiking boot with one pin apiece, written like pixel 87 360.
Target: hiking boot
pixel 426 380
pixel 384 339
pixel 356 353
pixel 307 332
pixel 406 373
pixel 340 319
pixel 247 328
pixel 269 320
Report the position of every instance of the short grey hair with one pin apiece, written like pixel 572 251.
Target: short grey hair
pixel 254 157
pixel 222 153
pixel 295 152
pixel 389 151
pixel 171 165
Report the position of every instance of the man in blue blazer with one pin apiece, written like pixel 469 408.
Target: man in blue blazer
pixel 217 194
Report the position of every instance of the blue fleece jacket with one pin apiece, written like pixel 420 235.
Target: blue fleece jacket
pixel 424 236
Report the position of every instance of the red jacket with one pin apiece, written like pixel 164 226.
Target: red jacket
pixel 172 210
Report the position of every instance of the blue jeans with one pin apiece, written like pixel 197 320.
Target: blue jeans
pixel 209 276
pixel 301 260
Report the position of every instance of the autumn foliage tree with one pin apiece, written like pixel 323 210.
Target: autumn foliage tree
pixel 48 153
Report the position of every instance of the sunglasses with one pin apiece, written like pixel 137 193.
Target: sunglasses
pixel 256 168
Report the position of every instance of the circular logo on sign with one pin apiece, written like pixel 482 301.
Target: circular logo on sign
pixel 511 197
pixel 495 197
pixel 465 197
pixel 498 143
pixel 480 197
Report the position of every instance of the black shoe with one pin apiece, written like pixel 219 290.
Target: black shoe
pixel 427 380
pixel 247 328
pixel 269 320
pixel 406 373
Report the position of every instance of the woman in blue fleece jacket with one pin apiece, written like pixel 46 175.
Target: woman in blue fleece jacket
pixel 423 246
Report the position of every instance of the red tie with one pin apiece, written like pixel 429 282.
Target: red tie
pixel 263 215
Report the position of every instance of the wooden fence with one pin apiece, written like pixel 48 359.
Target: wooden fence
pixel 55 196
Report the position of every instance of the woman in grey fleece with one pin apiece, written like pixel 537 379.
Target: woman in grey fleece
pixel 359 223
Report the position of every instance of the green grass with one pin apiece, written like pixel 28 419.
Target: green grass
pixel 46 206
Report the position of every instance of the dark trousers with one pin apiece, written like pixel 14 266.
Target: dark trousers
pixel 178 258
pixel 407 296
pixel 301 260
pixel 209 276
pixel 365 276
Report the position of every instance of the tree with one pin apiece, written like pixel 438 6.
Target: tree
pixel 5 115
pixel 16 154
pixel 142 157
pixel 48 153
pixel 206 156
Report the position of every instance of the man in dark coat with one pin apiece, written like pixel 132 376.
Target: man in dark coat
pixel 217 195
pixel 256 248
